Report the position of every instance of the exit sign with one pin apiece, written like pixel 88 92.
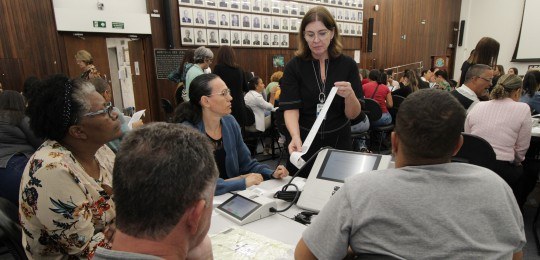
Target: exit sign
pixel 118 25
pixel 100 24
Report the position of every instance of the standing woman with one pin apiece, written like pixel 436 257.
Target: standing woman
pixel 318 66
pixel 202 58
pixel 17 141
pixel 233 76
pixel 485 52
pixel 86 63
pixel 512 119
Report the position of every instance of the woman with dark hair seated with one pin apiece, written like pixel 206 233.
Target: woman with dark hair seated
pixel 65 196
pixel 208 110
pixel 18 143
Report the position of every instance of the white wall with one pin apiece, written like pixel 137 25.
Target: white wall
pixel 79 16
pixel 124 73
pixel 498 19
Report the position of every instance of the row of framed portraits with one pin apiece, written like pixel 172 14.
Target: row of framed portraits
pixel 215 37
pixel 272 6
pixel 245 21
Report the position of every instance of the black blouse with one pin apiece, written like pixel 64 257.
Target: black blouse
pixel 299 90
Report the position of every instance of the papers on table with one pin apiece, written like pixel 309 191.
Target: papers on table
pixel 238 243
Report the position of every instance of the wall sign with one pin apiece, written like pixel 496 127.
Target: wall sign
pixel 167 61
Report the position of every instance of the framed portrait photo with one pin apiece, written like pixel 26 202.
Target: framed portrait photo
pixel 200 36
pixel 186 15
pixel 224 37
pixel 199 17
pixel 223 19
pixel 186 34
pixel 256 39
pixel 236 38
pixel 246 38
pixel 212 18
pixel 246 21
pixel 212 36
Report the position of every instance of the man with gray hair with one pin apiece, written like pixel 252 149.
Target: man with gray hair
pixel 202 58
pixel 164 180
pixel 477 82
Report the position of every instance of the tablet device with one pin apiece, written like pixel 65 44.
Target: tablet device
pixel 330 170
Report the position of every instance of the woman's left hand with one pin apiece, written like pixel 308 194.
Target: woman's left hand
pixel 344 89
pixel 280 172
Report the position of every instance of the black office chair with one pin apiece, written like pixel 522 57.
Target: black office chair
pixel 167 108
pixel 397 100
pixel 477 151
pixel 10 231
pixel 374 113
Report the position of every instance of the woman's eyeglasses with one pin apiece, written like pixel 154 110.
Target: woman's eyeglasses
pixel 107 109
pixel 322 35
pixel 223 93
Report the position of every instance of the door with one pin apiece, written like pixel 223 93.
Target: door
pixel 95 44
pixel 141 92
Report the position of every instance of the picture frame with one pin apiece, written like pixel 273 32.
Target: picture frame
pixel 236 38
pixel 256 22
pixel 276 23
pixel 212 18
pixel 256 39
pixel 224 19
pixel 265 40
pixel 246 21
pixel 185 2
pixel 199 17
pixel 235 20
pixel 199 3
pixel 274 40
pixel 246 38
pixel 200 36
pixel 186 15
pixel 224 37
pixel 278 61
pixel 212 36
pixel 187 36
pixel 284 40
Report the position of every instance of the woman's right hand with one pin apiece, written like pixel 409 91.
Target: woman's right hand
pixel 253 179
pixel 295 145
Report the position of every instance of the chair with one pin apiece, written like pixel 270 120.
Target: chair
pixel 168 108
pixel 374 113
pixel 477 151
pixel 10 231
pixel 397 100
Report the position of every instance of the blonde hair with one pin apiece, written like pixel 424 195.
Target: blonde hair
pixel 84 56
pixel 506 85
pixel 319 13
pixel 276 76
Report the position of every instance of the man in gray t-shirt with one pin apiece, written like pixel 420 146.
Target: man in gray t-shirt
pixel 427 207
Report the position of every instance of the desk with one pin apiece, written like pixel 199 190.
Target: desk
pixel 278 227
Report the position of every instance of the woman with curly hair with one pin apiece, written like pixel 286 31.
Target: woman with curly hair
pixel 65 204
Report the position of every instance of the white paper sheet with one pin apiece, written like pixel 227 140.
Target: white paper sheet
pixel 296 157
pixel 136 117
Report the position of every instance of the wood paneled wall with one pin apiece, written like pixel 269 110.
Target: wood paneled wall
pixel 28 41
pixel 30 44
pixel 396 18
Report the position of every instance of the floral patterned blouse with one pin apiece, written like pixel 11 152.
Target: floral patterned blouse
pixel 91 73
pixel 63 210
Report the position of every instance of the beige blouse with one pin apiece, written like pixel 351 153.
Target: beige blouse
pixel 63 210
